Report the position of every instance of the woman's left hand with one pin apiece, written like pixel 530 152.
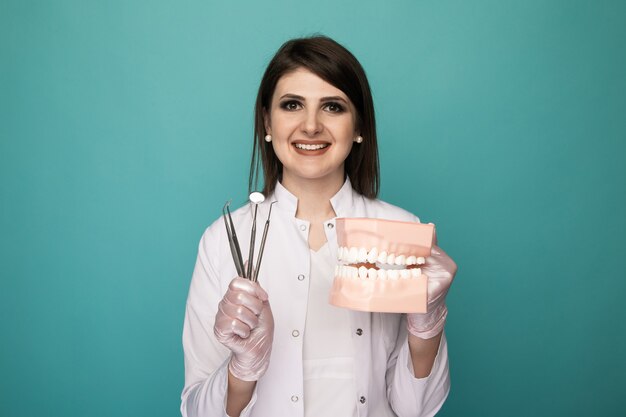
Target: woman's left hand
pixel 440 269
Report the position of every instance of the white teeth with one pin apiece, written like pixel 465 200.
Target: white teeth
pixel 362 272
pixel 362 255
pixel 372 256
pixel 353 255
pixel 354 273
pixel 311 147
pixel 382 257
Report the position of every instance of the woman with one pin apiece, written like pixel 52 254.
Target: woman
pixel 276 347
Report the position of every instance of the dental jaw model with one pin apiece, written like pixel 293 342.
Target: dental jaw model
pixel 379 265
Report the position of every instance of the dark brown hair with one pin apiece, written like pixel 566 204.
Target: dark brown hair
pixel 336 65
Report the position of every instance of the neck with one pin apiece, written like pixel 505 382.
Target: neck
pixel 314 196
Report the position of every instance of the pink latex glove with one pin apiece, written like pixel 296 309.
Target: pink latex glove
pixel 440 269
pixel 245 325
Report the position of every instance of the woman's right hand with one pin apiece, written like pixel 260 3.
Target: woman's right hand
pixel 245 325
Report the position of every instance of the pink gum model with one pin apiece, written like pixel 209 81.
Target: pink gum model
pixel 402 295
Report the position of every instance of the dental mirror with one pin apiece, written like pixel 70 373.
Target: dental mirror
pixel 256 197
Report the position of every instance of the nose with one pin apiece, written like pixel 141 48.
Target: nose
pixel 311 125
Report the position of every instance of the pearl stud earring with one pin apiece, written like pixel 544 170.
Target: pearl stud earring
pixel 268 138
pixel 359 139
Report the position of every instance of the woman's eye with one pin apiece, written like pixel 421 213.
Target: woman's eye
pixel 290 105
pixel 334 107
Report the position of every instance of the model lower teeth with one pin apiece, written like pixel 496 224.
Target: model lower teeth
pixel 311 147
pixel 346 271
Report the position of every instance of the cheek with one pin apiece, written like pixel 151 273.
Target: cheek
pixel 347 128
pixel 343 149
pixel 283 124
pixel 279 149
pixel 346 135
pixel 347 152
pixel 280 145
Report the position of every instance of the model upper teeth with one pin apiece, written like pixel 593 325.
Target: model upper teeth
pixel 373 256
pixel 311 147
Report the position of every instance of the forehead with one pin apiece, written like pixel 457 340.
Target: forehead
pixel 303 82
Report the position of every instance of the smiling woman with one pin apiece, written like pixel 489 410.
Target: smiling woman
pixel 315 145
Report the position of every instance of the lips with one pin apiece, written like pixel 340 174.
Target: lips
pixel 379 265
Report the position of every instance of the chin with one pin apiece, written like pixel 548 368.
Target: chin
pixel 314 174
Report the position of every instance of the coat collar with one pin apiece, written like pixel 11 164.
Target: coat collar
pixel 342 202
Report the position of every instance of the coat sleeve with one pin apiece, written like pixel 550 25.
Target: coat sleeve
pixel 410 396
pixel 206 360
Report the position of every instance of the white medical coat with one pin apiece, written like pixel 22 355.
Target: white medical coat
pixel 386 385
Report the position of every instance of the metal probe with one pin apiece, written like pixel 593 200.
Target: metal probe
pixel 258 261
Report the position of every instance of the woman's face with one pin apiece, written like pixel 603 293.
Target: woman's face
pixel 313 126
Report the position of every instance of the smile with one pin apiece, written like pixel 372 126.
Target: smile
pixel 314 147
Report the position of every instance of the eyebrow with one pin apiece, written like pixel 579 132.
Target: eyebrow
pixel 297 97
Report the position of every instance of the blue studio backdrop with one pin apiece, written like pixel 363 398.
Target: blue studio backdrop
pixel 125 125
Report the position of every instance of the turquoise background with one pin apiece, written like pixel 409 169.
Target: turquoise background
pixel 125 125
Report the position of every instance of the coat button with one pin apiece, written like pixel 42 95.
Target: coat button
pixel 295 333
pixel 303 227
pixel 300 277
pixel 294 398
pixel 359 332
pixel 362 400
